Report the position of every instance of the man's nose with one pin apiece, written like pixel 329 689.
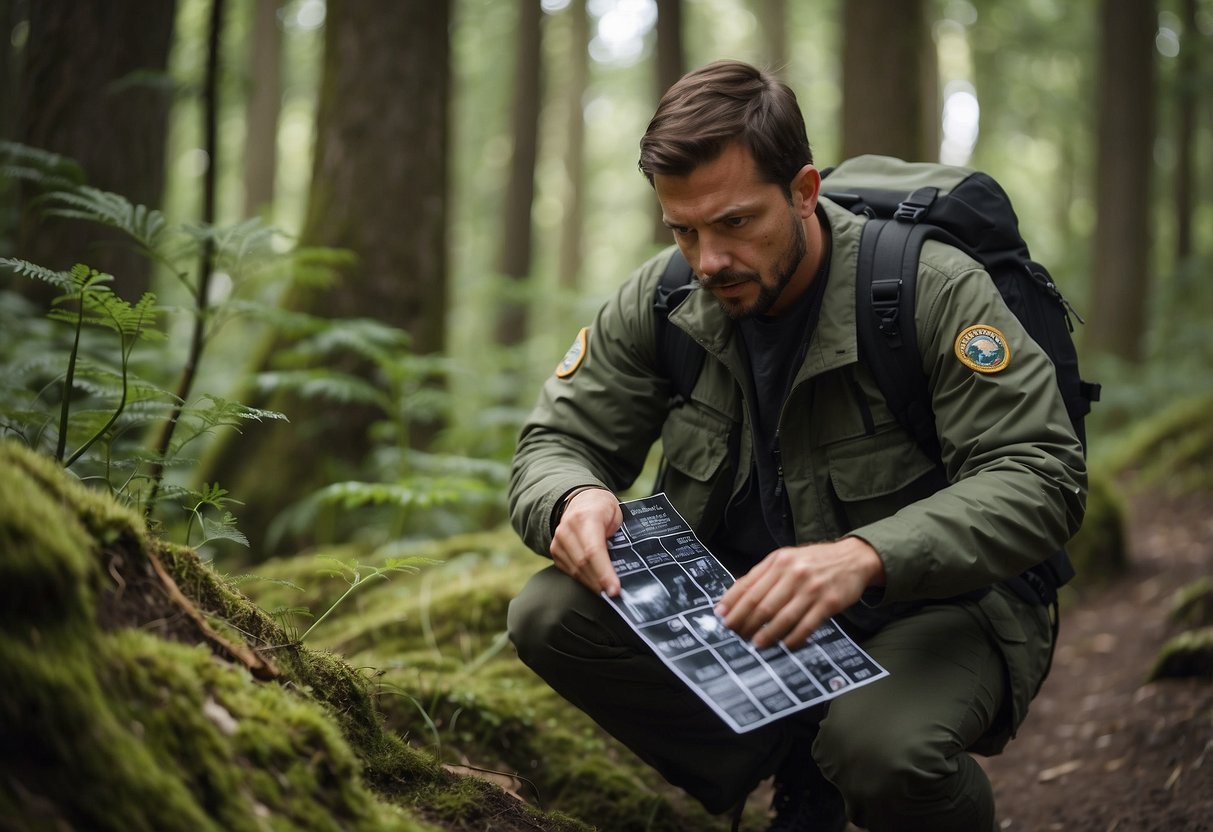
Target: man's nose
pixel 713 256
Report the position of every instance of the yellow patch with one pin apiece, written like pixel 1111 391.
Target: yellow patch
pixel 576 354
pixel 983 348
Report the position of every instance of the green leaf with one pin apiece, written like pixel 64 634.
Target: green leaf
pixel 25 268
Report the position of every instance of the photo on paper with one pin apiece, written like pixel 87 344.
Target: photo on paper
pixel 670 583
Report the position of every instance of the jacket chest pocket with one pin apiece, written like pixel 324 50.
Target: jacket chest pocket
pixel 872 477
pixel 872 466
pixel 695 443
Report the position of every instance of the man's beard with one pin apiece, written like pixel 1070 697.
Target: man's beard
pixel 768 294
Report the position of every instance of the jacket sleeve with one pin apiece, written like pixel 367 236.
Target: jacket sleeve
pixel 1016 470
pixel 594 426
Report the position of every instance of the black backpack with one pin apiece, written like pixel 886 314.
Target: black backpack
pixel 908 203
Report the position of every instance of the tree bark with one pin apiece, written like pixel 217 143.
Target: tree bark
pixel 671 64
pixel 572 225
pixel 516 226
pixel 882 71
pixel 82 98
pixel 379 185
pixel 1123 179
pixel 773 23
pixel 1185 132
pixel 262 109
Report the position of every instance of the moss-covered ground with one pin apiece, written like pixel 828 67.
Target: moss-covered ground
pixel 142 689
pixel 139 690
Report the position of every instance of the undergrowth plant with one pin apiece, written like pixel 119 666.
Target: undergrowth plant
pixel 93 384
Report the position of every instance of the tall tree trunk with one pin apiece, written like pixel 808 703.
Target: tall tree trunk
pixel 262 109
pixel 10 71
pixel 378 189
pixel 671 64
pixel 1123 184
pixel 773 22
pixel 516 228
pixel 882 72
pixel 1185 133
pixel 94 90
pixel 11 12
pixel 572 226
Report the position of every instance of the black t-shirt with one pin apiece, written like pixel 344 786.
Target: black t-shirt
pixel 758 520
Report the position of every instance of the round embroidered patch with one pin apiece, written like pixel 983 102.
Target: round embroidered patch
pixel 576 354
pixel 983 348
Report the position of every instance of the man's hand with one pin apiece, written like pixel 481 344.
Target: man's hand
pixel 579 544
pixel 793 590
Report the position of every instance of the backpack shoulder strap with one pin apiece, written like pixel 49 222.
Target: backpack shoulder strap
pixel 885 284
pixel 678 356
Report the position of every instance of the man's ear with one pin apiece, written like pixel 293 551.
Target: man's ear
pixel 806 186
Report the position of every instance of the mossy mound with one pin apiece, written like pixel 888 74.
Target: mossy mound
pixel 1187 655
pixel 1192 605
pixel 139 690
pixel 449 680
pixel 1172 450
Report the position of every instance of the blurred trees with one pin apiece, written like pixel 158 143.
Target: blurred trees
pixel 378 190
pixel 572 246
pixel 888 80
pixel 1123 178
pixel 517 234
pixel 548 98
pixel 93 89
pixel 263 105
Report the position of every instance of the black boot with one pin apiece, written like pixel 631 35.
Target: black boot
pixel 804 800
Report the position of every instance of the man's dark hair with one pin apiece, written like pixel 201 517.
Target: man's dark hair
pixel 724 102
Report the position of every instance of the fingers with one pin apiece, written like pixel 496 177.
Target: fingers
pixel 792 591
pixel 579 544
pixel 776 601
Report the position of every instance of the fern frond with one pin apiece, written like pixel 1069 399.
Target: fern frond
pixel 39 167
pixel 224 412
pixel 144 225
pixel 24 268
pixel 322 384
pixel 223 529
pixel 364 337
pixel 285 321
pixel 485 470
pixel 410 495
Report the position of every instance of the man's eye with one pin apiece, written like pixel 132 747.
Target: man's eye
pixel 736 222
pixel 680 230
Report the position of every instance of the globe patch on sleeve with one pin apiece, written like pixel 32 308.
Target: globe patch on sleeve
pixel 983 348
pixel 576 354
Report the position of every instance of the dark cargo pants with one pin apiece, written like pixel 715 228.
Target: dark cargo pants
pixel 959 675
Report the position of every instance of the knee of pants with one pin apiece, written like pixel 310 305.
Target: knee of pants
pixel 868 764
pixel 553 616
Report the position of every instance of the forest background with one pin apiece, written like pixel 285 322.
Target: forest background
pixel 366 232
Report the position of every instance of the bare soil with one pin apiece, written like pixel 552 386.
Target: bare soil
pixel 1101 750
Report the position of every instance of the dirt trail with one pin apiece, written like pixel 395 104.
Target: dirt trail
pixel 1100 750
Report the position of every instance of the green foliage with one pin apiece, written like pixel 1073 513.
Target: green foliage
pixel 405 491
pixel 147 723
pixel 358 575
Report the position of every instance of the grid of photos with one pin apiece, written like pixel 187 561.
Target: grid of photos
pixel 670 584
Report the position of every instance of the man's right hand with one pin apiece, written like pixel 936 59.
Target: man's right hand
pixel 579 544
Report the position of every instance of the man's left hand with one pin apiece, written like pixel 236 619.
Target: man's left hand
pixel 793 590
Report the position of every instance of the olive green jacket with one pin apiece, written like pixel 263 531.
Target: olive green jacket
pixel 1016 471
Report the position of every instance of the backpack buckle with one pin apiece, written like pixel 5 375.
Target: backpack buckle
pixel 913 207
pixel 886 304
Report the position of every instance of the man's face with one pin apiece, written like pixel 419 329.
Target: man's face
pixel 743 236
